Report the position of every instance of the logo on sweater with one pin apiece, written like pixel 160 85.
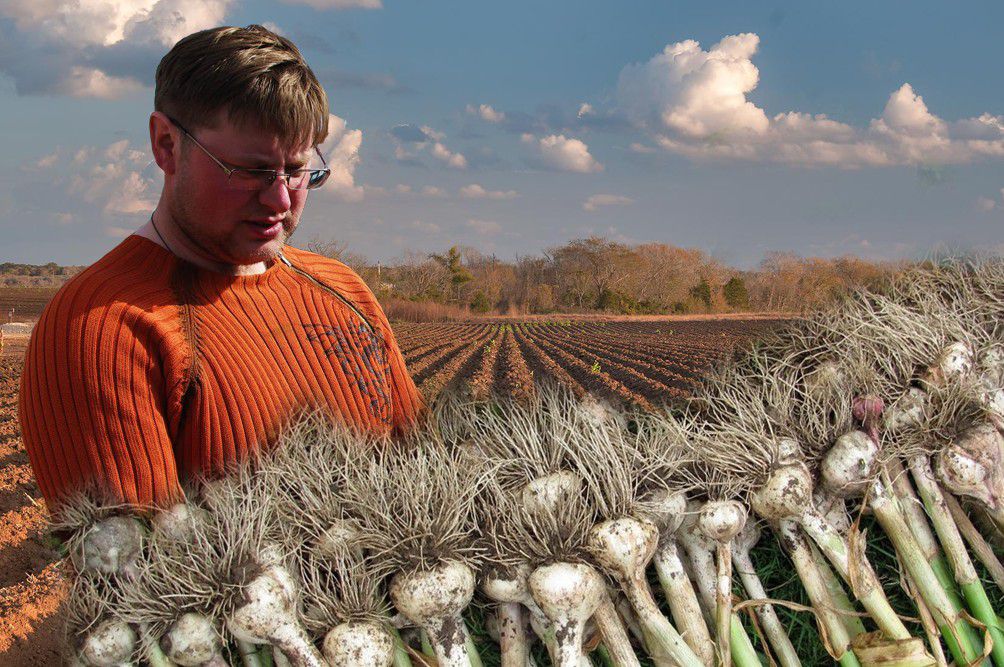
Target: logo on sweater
pixel 360 355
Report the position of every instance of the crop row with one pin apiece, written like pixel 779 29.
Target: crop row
pixel 644 363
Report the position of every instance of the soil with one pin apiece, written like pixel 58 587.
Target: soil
pixel 33 581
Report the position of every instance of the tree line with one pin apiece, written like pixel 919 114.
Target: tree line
pixel 596 274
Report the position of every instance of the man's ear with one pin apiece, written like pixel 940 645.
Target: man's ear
pixel 166 150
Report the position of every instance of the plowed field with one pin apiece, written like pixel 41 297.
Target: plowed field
pixel 642 362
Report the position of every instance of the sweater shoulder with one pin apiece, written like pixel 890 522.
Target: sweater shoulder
pixel 331 270
pixel 341 277
pixel 129 275
pixel 130 286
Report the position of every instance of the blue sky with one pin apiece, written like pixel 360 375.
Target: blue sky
pixel 874 129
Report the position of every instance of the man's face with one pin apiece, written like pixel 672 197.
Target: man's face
pixel 233 226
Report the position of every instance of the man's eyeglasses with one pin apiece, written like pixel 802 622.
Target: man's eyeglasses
pixel 242 178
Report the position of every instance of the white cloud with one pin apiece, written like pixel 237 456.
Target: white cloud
pixel 402 189
pixel 585 109
pixel 117 179
pixel 596 201
pixel 433 134
pixel 986 204
pixel 426 227
pixel 410 140
pixel 95 48
pixel 115 232
pixel 486 112
pixel 694 102
pixel 338 4
pixel 695 92
pixel 46 161
pixel 564 154
pixel 640 148
pixel 341 150
pixel 485 227
pixel 476 191
pixel 444 154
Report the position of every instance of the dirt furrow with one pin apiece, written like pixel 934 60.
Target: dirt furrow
pixel 24 605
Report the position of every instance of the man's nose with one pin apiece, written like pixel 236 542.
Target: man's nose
pixel 276 196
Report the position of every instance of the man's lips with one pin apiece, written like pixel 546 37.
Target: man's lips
pixel 265 229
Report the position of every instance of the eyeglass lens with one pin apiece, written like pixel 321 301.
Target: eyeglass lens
pixel 304 179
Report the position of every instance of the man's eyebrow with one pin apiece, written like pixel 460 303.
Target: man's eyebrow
pixel 266 162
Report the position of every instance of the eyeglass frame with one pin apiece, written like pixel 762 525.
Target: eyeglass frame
pixel 231 170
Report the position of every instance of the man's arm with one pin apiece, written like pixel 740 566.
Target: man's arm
pixel 93 403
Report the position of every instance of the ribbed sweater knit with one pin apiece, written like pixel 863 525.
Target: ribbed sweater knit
pixel 145 370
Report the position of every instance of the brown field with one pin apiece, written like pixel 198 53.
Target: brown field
pixel 26 302
pixel 645 362
pixel 641 361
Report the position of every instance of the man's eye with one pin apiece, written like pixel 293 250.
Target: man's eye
pixel 247 174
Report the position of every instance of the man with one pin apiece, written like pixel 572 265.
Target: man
pixel 191 344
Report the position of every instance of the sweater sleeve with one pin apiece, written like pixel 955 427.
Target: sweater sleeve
pixel 93 404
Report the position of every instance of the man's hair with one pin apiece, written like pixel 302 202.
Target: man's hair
pixel 257 76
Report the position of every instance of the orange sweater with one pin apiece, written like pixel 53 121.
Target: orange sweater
pixel 145 369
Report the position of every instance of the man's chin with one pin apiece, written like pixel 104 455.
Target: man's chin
pixel 266 253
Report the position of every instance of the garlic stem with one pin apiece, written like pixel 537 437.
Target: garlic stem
pixel 867 588
pixel 512 587
pixel 512 635
pixel 249 653
pixel 976 541
pixel 624 547
pixel 401 658
pixel 615 637
pixel 787 494
pixel 720 521
pixel 958 634
pixel 723 604
pixel 926 621
pixel 955 550
pixel 797 546
pixel 852 622
pixel 772 626
pixel 683 603
pixel 916 517
pixel 700 550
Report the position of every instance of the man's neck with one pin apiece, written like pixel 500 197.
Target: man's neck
pixel 149 231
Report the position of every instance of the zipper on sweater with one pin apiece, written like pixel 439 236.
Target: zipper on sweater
pixel 329 291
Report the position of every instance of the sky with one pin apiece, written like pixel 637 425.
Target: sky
pixel 739 128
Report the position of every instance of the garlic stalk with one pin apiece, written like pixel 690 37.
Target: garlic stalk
pixel 624 547
pixel 720 521
pixel 667 510
pixel 780 643
pixel 701 550
pixel 852 468
pixel 827 613
pixel 788 495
